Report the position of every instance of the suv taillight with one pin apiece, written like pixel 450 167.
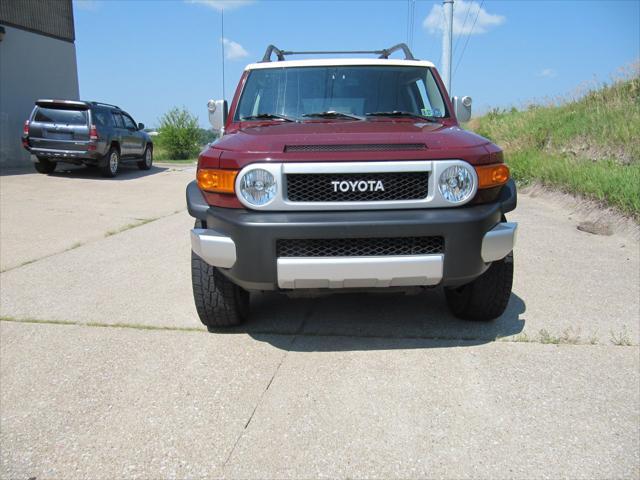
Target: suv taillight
pixel 25 134
pixel 93 133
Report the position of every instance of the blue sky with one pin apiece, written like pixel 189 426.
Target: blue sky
pixel 150 55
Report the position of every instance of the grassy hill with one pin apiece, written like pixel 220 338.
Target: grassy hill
pixel 589 146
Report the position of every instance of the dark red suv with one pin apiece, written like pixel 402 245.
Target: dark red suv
pixel 348 174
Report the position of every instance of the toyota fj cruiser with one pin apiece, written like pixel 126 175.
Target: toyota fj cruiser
pixel 348 174
pixel 90 133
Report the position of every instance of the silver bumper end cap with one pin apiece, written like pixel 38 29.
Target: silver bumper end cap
pixel 214 248
pixel 360 272
pixel 499 241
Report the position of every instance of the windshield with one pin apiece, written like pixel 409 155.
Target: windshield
pixel 294 92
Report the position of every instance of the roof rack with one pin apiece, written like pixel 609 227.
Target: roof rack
pixel 384 53
pixel 43 101
pixel 105 105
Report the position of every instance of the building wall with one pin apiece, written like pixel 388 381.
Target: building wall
pixel 47 17
pixel 37 60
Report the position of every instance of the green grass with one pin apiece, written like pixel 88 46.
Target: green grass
pixel 161 156
pixel 606 180
pixel 588 146
pixel 179 162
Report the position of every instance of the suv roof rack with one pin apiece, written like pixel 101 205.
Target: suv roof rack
pixel 384 53
pixel 105 105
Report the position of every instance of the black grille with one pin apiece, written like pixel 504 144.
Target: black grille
pixel 359 247
pixel 312 187
pixel 363 147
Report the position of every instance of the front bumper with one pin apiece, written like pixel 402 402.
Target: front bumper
pixel 242 244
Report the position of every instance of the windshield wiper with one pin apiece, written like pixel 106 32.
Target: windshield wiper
pixel 400 113
pixel 333 114
pixel 268 116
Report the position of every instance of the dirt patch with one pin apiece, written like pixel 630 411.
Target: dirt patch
pixel 583 147
pixel 590 216
pixel 596 228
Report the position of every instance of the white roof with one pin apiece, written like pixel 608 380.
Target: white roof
pixel 331 62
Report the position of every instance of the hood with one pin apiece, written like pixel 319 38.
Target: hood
pixel 273 139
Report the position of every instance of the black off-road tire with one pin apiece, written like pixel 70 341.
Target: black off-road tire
pixel 107 168
pixel 44 166
pixel 485 298
pixel 146 162
pixel 219 302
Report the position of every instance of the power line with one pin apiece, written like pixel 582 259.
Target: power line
pixel 464 24
pixel 411 5
pixel 468 37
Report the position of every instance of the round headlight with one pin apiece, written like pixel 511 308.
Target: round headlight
pixel 456 184
pixel 258 186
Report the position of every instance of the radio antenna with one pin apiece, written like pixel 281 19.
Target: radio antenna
pixel 223 40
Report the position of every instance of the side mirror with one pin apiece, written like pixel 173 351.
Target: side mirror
pixel 141 126
pixel 462 107
pixel 217 115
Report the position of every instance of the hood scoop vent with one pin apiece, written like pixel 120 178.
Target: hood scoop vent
pixel 363 147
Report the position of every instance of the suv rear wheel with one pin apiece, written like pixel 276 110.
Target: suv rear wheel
pixel 44 165
pixel 110 163
pixel 147 159
pixel 487 296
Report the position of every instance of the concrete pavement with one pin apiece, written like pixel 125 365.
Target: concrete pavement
pixel 91 402
pixel 379 386
pixel 46 214
pixel 567 282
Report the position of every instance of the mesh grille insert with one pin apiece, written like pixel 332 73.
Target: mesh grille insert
pixel 359 247
pixel 312 187
pixel 363 147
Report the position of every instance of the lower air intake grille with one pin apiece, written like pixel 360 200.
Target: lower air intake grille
pixel 359 247
pixel 357 187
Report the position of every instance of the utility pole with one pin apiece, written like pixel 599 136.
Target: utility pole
pixel 447 38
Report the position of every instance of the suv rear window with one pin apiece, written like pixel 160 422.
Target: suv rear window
pixel 54 115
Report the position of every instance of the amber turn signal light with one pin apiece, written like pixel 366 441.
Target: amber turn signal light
pixel 492 175
pixel 219 181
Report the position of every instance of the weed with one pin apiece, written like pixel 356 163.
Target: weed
pixel 568 337
pixel 521 338
pixel 138 223
pixel 622 338
pixel 546 337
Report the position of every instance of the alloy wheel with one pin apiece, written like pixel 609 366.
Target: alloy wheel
pixel 113 162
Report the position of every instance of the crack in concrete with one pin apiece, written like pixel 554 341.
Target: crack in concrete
pixel 109 233
pixel 298 333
